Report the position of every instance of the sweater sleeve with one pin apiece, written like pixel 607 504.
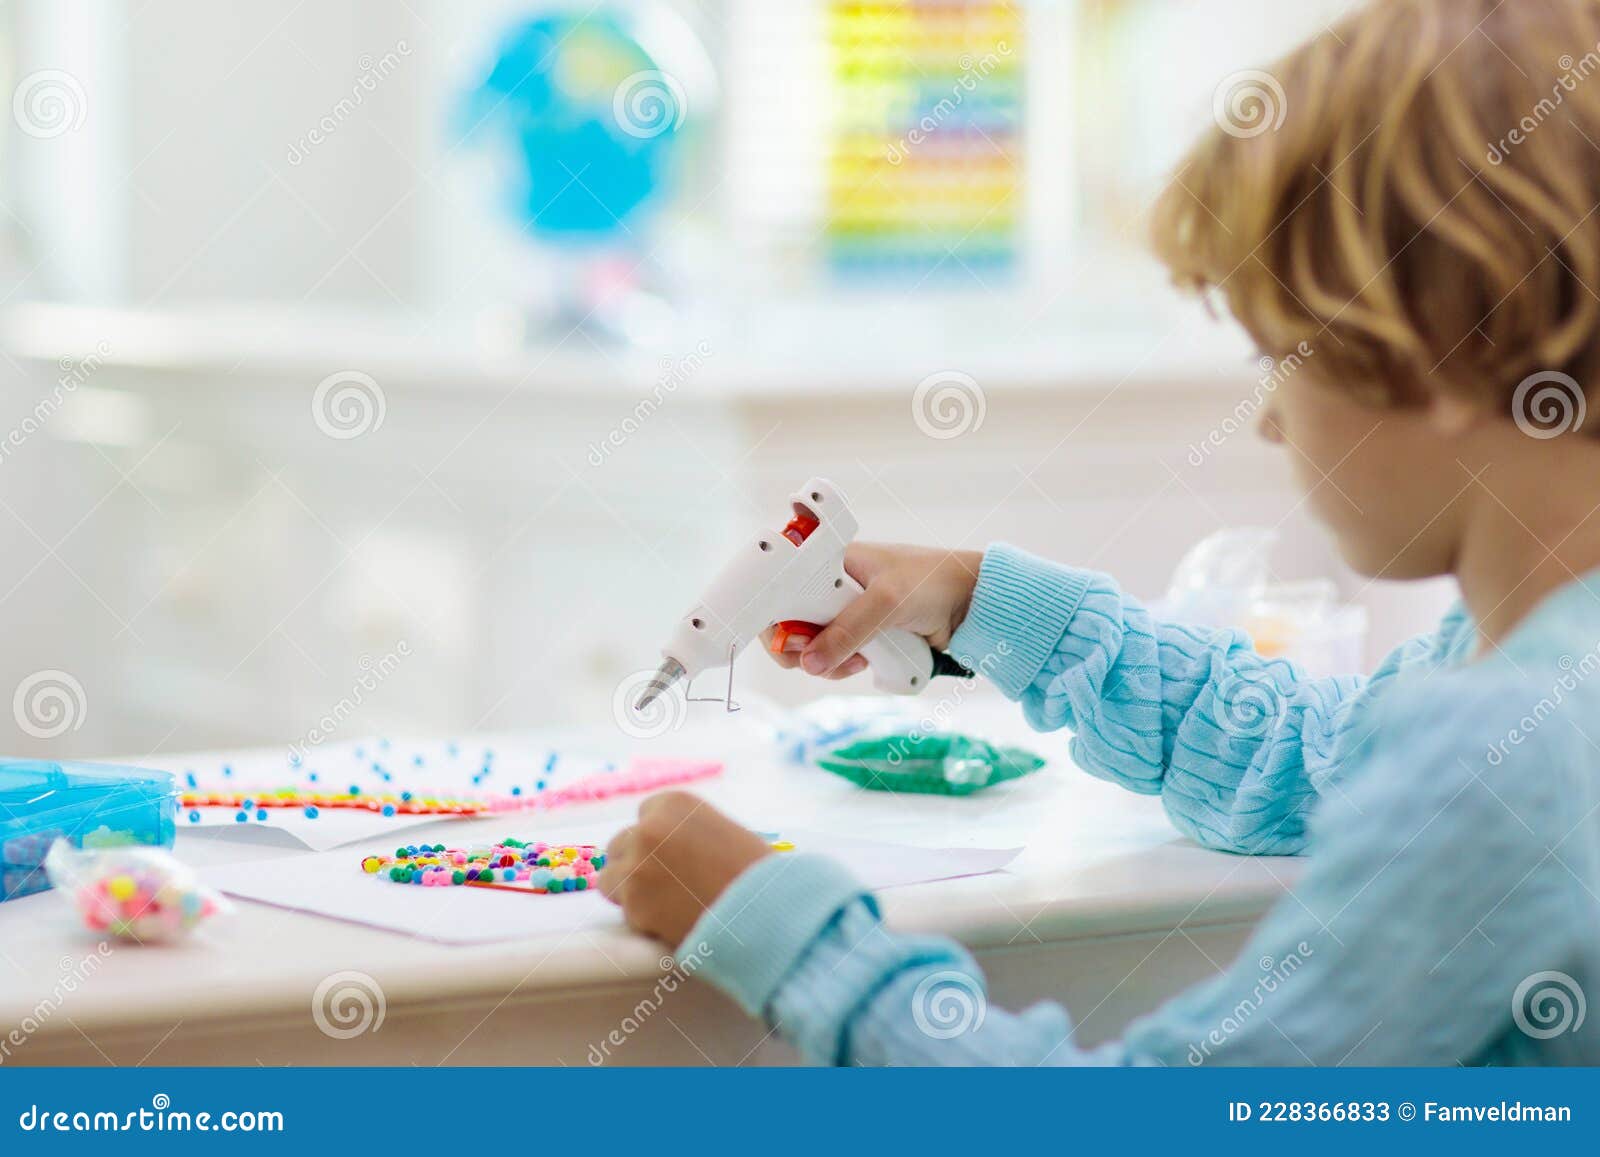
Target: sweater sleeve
pixel 1432 901
pixel 1238 747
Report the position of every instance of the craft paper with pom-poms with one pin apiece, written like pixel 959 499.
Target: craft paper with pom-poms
pixel 335 795
pixel 333 884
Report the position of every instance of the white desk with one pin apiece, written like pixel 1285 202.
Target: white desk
pixel 1107 910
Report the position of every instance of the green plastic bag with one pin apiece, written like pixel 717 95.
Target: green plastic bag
pixel 944 764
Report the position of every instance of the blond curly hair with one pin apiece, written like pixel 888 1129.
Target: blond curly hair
pixel 1416 193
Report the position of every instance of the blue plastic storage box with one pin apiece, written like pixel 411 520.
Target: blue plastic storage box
pixel 91 805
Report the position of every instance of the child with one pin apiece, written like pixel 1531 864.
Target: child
pixel 1426 221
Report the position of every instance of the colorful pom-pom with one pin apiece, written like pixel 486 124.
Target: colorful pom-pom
pixel 511 863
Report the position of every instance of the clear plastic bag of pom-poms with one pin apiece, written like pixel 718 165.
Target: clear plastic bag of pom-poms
pixel 139 894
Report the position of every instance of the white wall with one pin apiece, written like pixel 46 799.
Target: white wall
pixel 220 97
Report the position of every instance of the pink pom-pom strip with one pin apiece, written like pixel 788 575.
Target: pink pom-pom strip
pixel 640 776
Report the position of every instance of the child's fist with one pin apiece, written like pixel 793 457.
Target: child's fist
pixel 923 589
pixel 673 864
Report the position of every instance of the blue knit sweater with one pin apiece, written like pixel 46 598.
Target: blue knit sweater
pixel 1450 912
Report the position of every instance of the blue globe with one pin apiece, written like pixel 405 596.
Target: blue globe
pixel 590 122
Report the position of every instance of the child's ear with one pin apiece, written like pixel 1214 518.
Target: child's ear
pixel 1451 415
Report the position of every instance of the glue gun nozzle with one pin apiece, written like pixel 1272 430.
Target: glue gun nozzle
pixel 671 671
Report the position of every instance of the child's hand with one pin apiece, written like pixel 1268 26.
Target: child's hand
pixel 673 864
pixel 923 589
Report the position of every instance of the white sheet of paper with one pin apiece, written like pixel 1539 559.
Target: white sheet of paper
pixel 287 828
pixel 332 884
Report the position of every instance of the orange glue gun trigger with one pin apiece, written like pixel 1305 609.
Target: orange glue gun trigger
pixel 792 635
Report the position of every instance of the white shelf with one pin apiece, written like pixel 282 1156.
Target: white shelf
pixel 829 348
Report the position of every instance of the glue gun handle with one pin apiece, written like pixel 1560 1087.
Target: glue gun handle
pixel 900 662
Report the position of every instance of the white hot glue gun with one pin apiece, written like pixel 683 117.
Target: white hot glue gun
pixel 794 582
